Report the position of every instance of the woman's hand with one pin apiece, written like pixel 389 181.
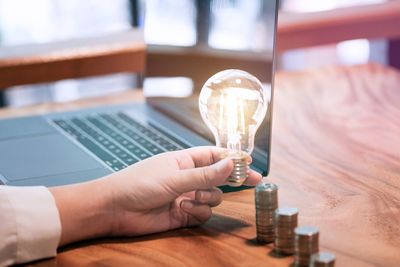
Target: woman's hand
pixel 167 191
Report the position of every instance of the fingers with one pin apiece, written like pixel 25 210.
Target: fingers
pixel 211 197
pixel 205 155
pixel 197 213
pixel 198 210
pixel 210 170
pixel 203 177
pixel 253 178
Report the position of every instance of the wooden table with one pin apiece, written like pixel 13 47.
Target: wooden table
pixel 335 156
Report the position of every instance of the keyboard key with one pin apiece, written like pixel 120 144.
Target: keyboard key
pixel 117 139
pixel 91 146
pixel 138 151
pixel 144 142
pixel 151 134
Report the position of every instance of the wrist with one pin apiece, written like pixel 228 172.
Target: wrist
pixel 101 209
pixel 85 211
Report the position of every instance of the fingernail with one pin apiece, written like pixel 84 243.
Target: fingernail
pixel 204 196
pixel 186 205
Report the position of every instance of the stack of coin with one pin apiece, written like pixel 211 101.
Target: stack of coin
pixel 306 244
pixel 285 223
pixel 323 259
pixel 266 198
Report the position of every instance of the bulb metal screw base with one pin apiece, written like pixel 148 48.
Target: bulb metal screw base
pixel 239 173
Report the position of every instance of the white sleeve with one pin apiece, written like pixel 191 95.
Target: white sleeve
pixel 30 226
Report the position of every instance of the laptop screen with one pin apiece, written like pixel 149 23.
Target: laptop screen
pixel 189 41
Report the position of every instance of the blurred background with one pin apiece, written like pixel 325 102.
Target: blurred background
pixel 201 32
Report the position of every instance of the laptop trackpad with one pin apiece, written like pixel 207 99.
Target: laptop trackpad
pixel 42 155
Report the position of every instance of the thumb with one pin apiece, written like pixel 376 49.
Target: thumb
pixel 204 177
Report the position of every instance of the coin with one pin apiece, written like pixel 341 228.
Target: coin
pixel 306 244
pixel 285 223
pixel 323 259
pixel 266 202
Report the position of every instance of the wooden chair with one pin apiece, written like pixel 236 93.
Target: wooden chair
pixel 71 59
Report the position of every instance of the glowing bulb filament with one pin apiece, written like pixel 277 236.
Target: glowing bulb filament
pixel 235 116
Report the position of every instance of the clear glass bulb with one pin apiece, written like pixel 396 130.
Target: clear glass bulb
pixel 233 105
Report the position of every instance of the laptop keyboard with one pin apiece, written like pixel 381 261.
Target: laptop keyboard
pixel 117 139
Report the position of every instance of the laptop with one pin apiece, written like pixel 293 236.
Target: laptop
pixel 72 147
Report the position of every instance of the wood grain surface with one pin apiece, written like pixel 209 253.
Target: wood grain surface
pixel 335 156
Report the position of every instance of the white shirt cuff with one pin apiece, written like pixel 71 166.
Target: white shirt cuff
pixel 33 227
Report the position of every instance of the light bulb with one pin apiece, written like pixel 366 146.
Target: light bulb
pixel 232 103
